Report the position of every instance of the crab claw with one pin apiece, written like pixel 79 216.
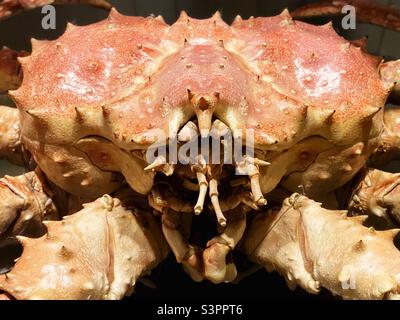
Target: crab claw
pixel 24 205
pixel 216 268
pixel 97 253
pixel 314 247
pixel 377 195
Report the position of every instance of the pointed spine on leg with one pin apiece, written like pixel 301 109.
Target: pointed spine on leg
pixel 378 196
pixel 314 247
pixel 97 253
pixel 24 205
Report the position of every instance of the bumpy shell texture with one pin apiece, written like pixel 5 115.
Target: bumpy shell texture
pixel 314 247
pixel 97 253
pixel 94 97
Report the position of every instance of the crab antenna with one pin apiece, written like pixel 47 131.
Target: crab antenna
pixel 215 202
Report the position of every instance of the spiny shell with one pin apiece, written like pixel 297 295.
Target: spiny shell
pixel 127 80
pixel 97 253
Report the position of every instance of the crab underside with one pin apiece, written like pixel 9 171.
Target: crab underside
pixel 268 137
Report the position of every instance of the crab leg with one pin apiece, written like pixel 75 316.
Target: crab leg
pixel 200 170
pixel 160 164
pixel 387 144
pixel 10 71
pixel 215 202
pixel 314 247
pixel 237 197
pixel 188 132
pixel 10 142
pixel 215 267
pixel 188 255
pixel 203 186
pixel 250 167
pixel 378 195
pixel 162 198
pixel 390 74
pixel 11 7
pixel 97 253
pixel 24 205
pixel 367 11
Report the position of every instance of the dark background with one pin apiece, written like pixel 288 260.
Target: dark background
pixel 170 280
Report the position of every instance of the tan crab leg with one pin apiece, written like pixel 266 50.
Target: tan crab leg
pixel 10 69
pixel 367 11
pixel 200 169
pixel 215 202
pixel 215 266
pixel 97 253
pixel 387 145
pixel 11 7
pixel 10 141
pixel 203 185
pixel 188 255
pixel 378 195
pixel 390 74
pixel 249 166
pixel 313 247
pixel 24 205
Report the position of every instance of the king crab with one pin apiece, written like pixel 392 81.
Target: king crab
pixel 93 102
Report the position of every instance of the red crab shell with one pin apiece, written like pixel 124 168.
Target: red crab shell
pixel 99 92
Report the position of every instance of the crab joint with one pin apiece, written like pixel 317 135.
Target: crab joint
pixel 203 185
pixel 160 164
pixel 216 268
pixel 215 203
pixel 189 256
pixel 249 166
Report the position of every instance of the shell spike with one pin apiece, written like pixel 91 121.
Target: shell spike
pixel 286 14
pixel 183 17
pixel 114 14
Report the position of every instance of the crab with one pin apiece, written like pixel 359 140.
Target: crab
pixel 305 196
